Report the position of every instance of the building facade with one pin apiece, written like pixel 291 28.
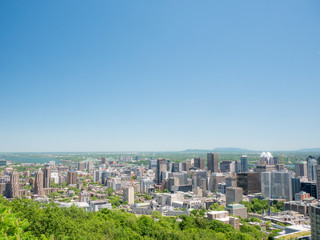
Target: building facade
pixel 234 195
pixel 276 185
pixel 249 182
pixel 244 164
pixel 72 177
pixel 315 222
pixel 212 162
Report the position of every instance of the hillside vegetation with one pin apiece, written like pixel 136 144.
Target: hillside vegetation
pixel 26 219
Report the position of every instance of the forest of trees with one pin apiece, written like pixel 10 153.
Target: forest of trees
pixel 26 219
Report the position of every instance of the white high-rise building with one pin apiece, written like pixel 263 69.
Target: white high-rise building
pixel 276 185
pixel 128 195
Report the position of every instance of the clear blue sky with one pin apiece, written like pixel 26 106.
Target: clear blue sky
pixel 159 75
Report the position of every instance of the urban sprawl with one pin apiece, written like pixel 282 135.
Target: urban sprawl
pixel 268 195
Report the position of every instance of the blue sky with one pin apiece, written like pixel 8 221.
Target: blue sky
pixel 159 75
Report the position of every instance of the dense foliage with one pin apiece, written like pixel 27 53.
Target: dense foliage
pixel 26 219
pixel 258 206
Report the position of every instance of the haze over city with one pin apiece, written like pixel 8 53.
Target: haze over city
pixel 159 76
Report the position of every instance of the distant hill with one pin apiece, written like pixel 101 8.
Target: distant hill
pixel 309 150
pixel 222 149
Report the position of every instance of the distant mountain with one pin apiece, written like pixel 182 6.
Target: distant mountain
pixel 222 149
pixel 309 150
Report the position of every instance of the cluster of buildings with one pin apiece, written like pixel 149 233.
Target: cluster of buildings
pixel 177 188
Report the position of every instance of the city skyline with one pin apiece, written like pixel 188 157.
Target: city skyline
pixel 159 76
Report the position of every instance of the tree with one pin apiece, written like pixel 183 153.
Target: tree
pixel 110 191
pixel 156 214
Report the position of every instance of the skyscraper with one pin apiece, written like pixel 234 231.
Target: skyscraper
pixel 244 164
pixel 72 177
pixel 276 185
pixel 199 163
pixel 161 167
pixel 14 186
pixel 311 166
pixel 227 166
pixel 38 183
pixel 212 162
pixel 301 169
pixel 175 167
pixel 214 181
pixel 188 165
pixel 296 186
pixel 46 177
pixel 264 168
pixel 250 182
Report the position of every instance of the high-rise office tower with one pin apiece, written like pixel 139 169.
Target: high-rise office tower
pixel 46 177
pixel 301 169
pixel 234 194
pixel 309 187
pixel 199 163
pixel 231 181
pixel 237 166
pixel 212 162
pixel 315 222
pixel 311 168
pixel 182 176
pixel 196 162
pixel 276 185
pixel 244 164
pixel 175 167
pixel 249 182
pixel 72 177
pixel 161 167
pixel 188 165
pixel 214 181
pixel 38 183
pixel 227 166
pixel 264 168
pixel 296 186
pixel 128 195
pixel 14 186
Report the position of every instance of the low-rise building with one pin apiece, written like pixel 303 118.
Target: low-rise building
pixel 237 210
